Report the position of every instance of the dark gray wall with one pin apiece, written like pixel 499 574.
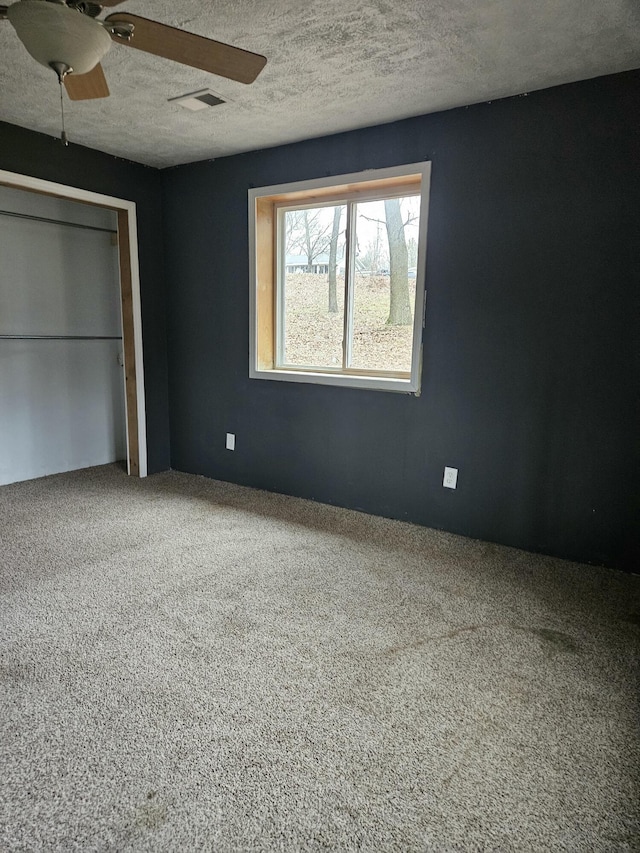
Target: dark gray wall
pixel 531 359
pixel 44 157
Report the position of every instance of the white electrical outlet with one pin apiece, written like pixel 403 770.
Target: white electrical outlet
pixel 450 479
pixel 231 441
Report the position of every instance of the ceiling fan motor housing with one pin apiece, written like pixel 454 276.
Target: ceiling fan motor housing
pixel 52 32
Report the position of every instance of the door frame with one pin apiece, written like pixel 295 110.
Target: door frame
pixel 129 299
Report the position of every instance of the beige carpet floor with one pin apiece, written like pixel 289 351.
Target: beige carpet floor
pixel 191 665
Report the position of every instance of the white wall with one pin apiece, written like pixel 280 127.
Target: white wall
pixel 61 401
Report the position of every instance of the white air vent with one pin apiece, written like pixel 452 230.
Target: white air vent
pixel 198 100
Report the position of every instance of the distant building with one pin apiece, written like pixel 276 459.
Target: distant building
pixel 298 263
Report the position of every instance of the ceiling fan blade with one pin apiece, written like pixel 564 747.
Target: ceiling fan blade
pixel 83 87
pixel 190 49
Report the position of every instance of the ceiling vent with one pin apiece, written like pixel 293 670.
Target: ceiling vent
pixel 198 100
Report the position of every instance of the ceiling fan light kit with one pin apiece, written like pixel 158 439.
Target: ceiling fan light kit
pixel 52 32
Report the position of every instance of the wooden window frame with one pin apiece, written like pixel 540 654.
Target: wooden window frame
pixel 130 300
pixel 265 206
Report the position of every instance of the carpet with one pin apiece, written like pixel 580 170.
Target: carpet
pixel 188 665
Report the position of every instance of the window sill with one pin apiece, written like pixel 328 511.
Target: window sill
pixel 372 383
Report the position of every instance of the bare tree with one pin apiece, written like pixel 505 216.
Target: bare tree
pixel 399 302
pixel 333 260
pixel 412 250
pixel 292 230
pixel 307 231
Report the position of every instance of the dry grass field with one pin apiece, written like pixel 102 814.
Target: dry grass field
pixel 313 336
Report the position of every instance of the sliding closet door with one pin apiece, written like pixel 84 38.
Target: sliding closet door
pixel 61 375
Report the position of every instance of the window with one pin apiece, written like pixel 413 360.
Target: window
pixel 337 279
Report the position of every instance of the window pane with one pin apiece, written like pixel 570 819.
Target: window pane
pixel 384 287
pixel 313 286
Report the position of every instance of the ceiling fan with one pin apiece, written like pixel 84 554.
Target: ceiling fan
pixel 69 37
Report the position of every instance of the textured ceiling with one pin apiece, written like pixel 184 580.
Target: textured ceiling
pixel 332 66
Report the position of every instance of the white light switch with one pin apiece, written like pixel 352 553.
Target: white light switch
pixel 231 441
pixel 450 479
